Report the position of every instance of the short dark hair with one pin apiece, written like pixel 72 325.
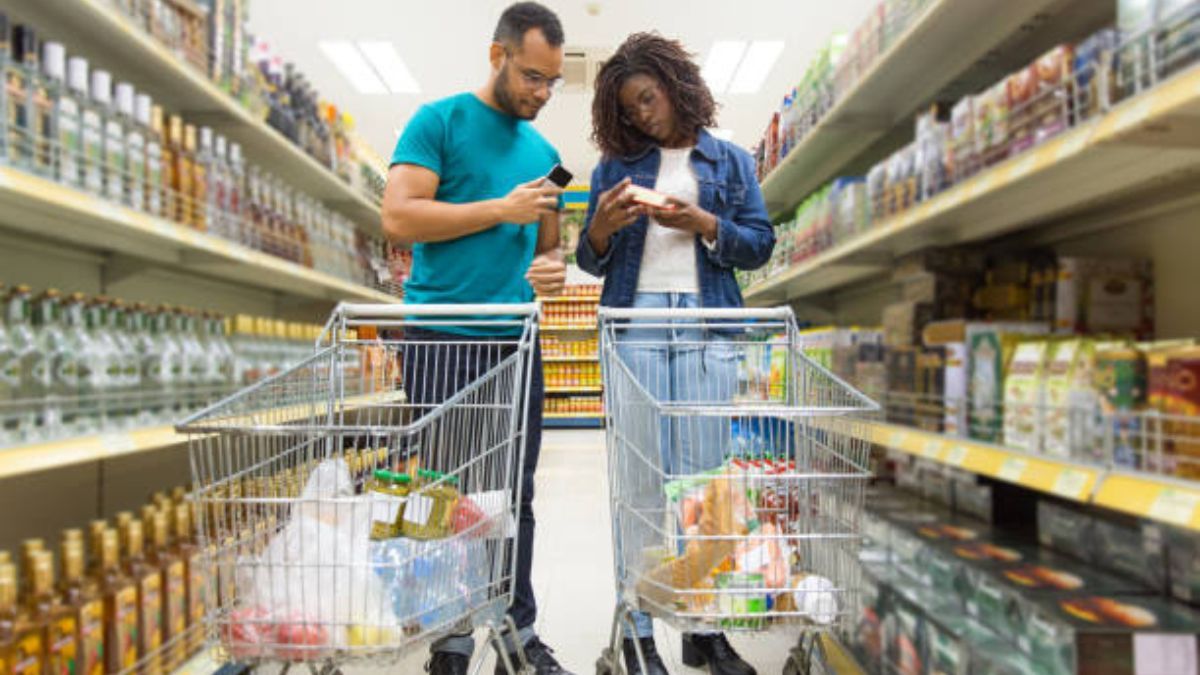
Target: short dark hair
pixel 521 17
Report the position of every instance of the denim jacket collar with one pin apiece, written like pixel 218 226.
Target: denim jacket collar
pixel 706 147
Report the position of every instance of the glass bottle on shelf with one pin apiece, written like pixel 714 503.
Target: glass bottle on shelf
pixel 195 359
pixel 59 373
pixel 70 99
pixel 5 66
pixel 236 186
pixel 41 114
pixel 104 363
pixel 20 640
pixel 171 569
pixel 42 603
pixel 135 147
pixel 85 403
pixel 121 328
pixel 148 581
pixel 171 352
pixel 162 130
pixel 154 368
pixel 202 148
pixel 91 127
pixel 79 595
pixel 196 572
pixel 187 164
pixel 181 172
pixel 256 211
pixel 113 137
pixel 10 380
pixel 22 421
pixel 151 130
pixel 120 597
pixel 216 211
pixel 222 352
pixel 17 87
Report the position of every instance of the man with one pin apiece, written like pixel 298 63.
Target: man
pixel 465 189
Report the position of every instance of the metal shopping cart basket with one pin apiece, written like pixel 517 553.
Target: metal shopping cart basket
pixel 736 478
pixel 365 500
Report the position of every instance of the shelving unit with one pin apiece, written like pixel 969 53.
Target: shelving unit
pixel 1146 149
pixel 96 28
pixel 582 361
pixel 44 209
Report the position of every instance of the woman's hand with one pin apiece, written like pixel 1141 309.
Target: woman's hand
pixel 615 210
pixel 681 215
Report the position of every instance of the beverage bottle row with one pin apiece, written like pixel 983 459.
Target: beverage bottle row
pixel 74 365
pixel 68 122
pixel 138 604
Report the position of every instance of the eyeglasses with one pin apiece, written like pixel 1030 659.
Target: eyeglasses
pixel 533 79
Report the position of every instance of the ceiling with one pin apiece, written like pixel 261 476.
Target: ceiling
pixel 445 44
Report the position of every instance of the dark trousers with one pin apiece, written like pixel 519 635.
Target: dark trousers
pixel 434 373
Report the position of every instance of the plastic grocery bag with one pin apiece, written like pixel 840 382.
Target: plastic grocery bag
pixel 433 584
pixel 314 579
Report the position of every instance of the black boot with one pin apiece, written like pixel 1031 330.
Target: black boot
pixel 654 664
pixel 447 663
pixel 714 651
pixel 539 656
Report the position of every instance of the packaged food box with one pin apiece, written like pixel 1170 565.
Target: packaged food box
pixel 1120 380
pixel 974 499
pixel 928 409
pixel 868 640
pixel 995 656
pixel 990 346
pixel 936 485
pixel 1183 563
pixel 1132 550
pixel 1182 402
pixel 951 634
pixel 991 124
pixel 1024 396
pixel 1057 412
pixel 1111 633
pixel 905 636
pixel 1094 62
pixel 1099 295
pixel 1065 529
pixel 1083 401
pixel 903 321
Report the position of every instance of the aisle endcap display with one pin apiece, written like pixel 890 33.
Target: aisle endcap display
pixel 1140 140
pixel 570 351
pixel 89 220
pixel 99 27
pixel 928 56
pixel 1157 498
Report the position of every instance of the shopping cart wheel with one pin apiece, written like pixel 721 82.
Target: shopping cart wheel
pixel 608 663
pixel 793 667
pixel 800 658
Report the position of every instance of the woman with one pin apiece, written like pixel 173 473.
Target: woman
pixel 649 117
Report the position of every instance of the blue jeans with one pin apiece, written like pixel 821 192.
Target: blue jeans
pixel 681 364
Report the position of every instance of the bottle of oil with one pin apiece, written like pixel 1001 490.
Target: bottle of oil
pixel 120 606
pixel 159 199
pixel 86 606
pixel 148 581
pixel 196 573
pixel 173 570
pixel 21 646
pixel 202 153
pixel 181 171
pixel 187 163
pixel 41 603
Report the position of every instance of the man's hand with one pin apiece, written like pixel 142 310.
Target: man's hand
pixel 547 274
pixel 530 201
pixel 687 217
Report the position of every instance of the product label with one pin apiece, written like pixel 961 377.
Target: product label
pixel 176 599
pixel 152 613
pixel 93 152
pixel 154 177
pixel 137 170
pixel 114 160
pixel 418 510
pixel 91 638
pixel 124 628
pixel 61 653
pixel 70 141
pixel 27 657
pixel 197 583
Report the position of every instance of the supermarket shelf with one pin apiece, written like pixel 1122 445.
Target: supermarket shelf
pixel 940 50
pixel 100 32
pixel 1146 144
pixel 571 359
pixel 1159 498
pixel 571 298
pixel 43 208
pixel 574 390
pixel 57 454
pixel 572 421
pixel 566 328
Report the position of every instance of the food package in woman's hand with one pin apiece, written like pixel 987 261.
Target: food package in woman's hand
pixel 725 512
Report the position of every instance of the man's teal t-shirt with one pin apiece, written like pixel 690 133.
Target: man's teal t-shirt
pixel 478 153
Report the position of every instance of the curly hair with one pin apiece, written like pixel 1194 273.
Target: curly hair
pixel 666 61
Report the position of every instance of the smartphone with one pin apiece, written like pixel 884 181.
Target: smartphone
pixel 648 197
pixel 559 176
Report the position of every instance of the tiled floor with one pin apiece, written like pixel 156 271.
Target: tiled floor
pixel 572 572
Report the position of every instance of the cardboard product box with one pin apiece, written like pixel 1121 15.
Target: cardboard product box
pixel 981 588
pixel 1025 585
pixel 901 384
pixel 974 499
pixel 867 640
pixel 995 656
pixel 905 634
pixel 1024 396
pixel 1065 529
pixel 949 295
pixel 1058 414
pixel 1112 634
pixel 1183 563
pixel 954 262
pixel 871 378
pixel 1097 295
pixel 990 346
pixel 952 635
pixel 1132 549
pixel 930 410
pixel 1119 377
pixel 936 485
pixel 903 322
pixel 954 389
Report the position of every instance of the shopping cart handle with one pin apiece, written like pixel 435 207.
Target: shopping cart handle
pixel 360 310
pixel 728 313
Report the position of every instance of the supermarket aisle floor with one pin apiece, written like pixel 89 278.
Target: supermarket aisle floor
pixel 572 572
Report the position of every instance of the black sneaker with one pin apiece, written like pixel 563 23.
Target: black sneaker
pixel 654 664
pixel 539 656
pixel 447 663
pixel 714 651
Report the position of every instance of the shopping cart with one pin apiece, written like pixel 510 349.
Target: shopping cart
pixel 735 476
pixel 365 501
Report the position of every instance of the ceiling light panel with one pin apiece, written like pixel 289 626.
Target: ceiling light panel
pixel 389 67
pixel 757 64
pixel 721 64
pixel 351 64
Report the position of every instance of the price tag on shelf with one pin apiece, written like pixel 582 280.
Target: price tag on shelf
pixel 105 209
pixel 958 455
pixel 1070 484
pixel 1174 506
pixel 1012 470
pixel 932 449
pixel 1025 165
pixel 897 439
pixel 1071 146
pixel 117 442
pixel 1135 113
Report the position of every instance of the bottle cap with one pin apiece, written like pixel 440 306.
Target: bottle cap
pixel 206 138
pixel 142 107
pixel 220 146
pixel 54 61
pixel 101 87
pixel 77 74
pixel 24 42
pixel 235 153
pixel 125 98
